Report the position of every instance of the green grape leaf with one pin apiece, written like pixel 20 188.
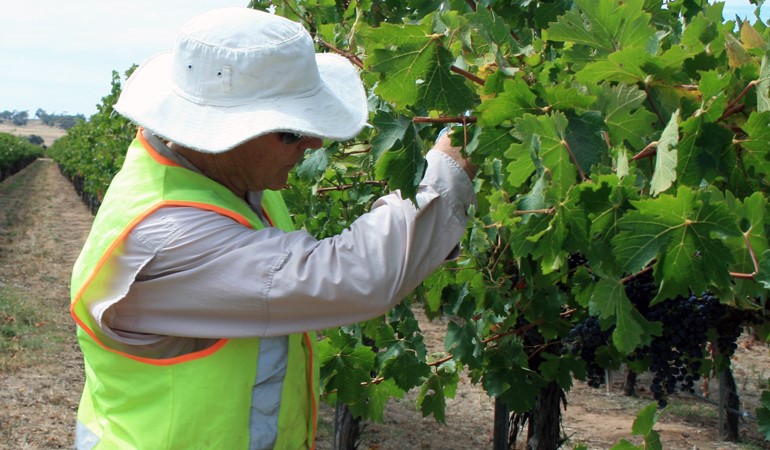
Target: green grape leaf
pixel 699 150
pixel 624 66
pixel 501 210
pixel 391 129
pixel 664 174
pixel 562 370
pixel 522 243
pixel 685 234
pixel 403 366
pixel 582 286
pixel 345 365
pixel 585 138
pixel 519 389
pixel 521 164
pixel 550 132
pixel 565 98
pixel 752 214
pixel 314 165
pixel 699 32
pixel 763 276
pixel 604 25
pixel 577 222
pixel 609 301
pixel 414 68
pixel 403 166
pixel 490 142
pixel 713 84
pixel 756 147
pixel 763 87
pixel 645 420
pixel 625 445
pixel 548 248
pixel 624 115
pixel 494 30
pixel 383 333
pixel 433 393
pixel 604 202
pixel 668 65
pixel 371 402
pixel 652 441
pixel 763 414
pixel 535 198
pixel 515 101
pixel 435 285
pixel 464 343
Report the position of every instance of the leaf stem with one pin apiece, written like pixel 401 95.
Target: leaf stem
pixel 634 275
pixel 344 187
pixel 357 152
pixel 748 276
pixel 499 255
pixel 455 119
pixel 732 110
pixel 565 144
pixel 497 337
pixel 551 210
pixel 732 107
pixel 606 137
pixel 351 57
pixel 652 105
pixel 647 152
pixel 467 75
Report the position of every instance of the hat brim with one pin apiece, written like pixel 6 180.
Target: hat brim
pixel 338 111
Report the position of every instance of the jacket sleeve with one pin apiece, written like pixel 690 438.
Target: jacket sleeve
pixel 205 276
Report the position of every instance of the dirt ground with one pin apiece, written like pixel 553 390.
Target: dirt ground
pixel 42 226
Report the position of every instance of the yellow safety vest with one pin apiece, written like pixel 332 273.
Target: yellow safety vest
pixel 198 400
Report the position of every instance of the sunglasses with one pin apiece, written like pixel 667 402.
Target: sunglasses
pixel 290 138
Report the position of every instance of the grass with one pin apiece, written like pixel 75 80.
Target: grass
pixel 692 411
pixel 19 328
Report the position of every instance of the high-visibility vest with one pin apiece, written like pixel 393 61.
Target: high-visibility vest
pixel 198 400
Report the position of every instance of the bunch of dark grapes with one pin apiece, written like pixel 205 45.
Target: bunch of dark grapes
pixel 640 290
pixel 584 339
pixel 575 260
pixel 676 356
pixel 728 324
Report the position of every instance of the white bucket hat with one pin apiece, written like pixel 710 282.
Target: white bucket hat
pixel 237 73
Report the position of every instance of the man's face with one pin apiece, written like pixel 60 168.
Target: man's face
pixel 265 162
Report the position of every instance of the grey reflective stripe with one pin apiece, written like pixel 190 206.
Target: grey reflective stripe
pixel 266 394
pixel 85 439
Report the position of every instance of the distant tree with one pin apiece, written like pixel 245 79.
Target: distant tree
pixel 5 116
pixel 35 139
pixel 45 118
pixel 68 121
pixel 20 118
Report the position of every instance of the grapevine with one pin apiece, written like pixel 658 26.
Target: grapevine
pixel 633 133
pixel 15 154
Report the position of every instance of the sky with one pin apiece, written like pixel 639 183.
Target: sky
pixel 59 55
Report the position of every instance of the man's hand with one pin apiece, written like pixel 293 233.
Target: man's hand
pixel 444 145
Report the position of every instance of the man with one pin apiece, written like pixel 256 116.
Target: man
pixel 194 296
